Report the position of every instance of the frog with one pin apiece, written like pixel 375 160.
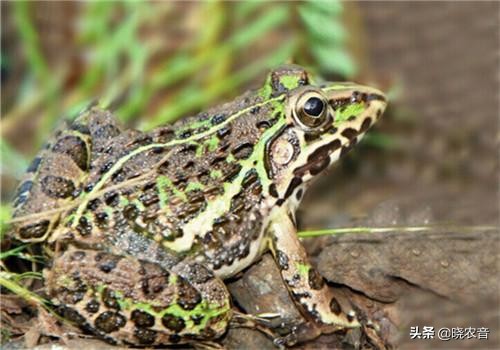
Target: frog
pixel 139 229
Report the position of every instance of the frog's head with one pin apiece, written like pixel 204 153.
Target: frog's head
pixel 320 123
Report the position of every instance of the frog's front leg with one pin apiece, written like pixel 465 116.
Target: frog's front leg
pixel 305 284
pixel 125 300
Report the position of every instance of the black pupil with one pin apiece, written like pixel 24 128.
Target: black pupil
pixel 314 107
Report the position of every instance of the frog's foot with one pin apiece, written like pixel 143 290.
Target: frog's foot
pixel 262 323
pixel 305 285
pixel 130 301
pixel 207 345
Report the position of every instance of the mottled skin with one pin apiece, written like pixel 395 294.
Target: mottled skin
pixel 141 227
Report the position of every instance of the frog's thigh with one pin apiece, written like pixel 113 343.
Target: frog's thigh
pixel 305 284
pixel 59 170
pixel 126 300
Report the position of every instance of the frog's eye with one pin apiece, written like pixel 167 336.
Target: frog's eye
pixel 311 110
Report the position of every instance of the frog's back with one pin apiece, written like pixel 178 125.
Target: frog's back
pixel 187 189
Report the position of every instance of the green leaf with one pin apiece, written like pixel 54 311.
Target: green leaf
pixel 334 60
pixel 331 7
pixel 322 26
pixel 5 216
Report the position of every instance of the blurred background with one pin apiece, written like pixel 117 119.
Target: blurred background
pixel 432 160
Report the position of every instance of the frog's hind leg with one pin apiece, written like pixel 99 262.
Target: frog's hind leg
pixel 57 173
pixel 126 300
pixel 305 284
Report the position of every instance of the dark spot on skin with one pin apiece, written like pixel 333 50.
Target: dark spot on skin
pixel 217 160
pixel 223 132
pixel 374 97
pixel 350 317
pixel 243 151
pixel 20 199
pixel 109 299
pixel 78 255
pixel 230 172
pixel 173 323
pixel 349 133
pixel 118 176
pixel 250 178
pixel 81 128
pixel 263 124
pixel 351 118
pixel 57 186
pixel 106 167
pixel 130 212
pixel 36 230
pixel 188 295
pixel 315 280
pixel 346 149
pixel 163 167
pixel 35 163
pixel 273 191
pixel 164 134
pixel 357 97
pixel 159 150
pixel 89 187
pixel 296 181
pixel 299 296
pixel 379 112
pixel 332 130
pixel 71 315
pixel 237 203
pixel 142 319
pixel 108 263
pixel 185 134
pixel 101 220
pixel 141 140
pixel 279 202
pixel 255 110
pixel 277 86
pixel 92 306
pixel 188 165
pixel 174 338
pixel 106 131
pixel 203 116
pixel 319 159
pixel 299 194
pixel 197 319
pixel 318 167
pixel 309 137
pixel 84 227
pixel 110 321
pixel 366 124
pixel 282 260
pixel 186 150
pixel 93 204
pixel 145 336
pixel 111 199
pixel 75 148
pixel 25 187
pixel 218 119
pixel 335 306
